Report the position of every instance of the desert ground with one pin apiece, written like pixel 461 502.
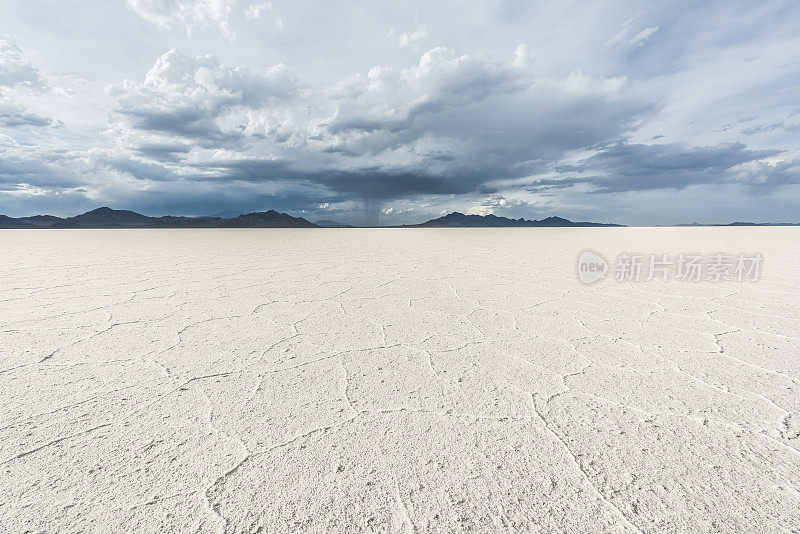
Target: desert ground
pixel 394 380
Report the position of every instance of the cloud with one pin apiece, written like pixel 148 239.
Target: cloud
pixel 15 69
pixel 772 127
pixel 448 124
pixel 17 75
pixel 253 11
pixel 769 173
pixel 190 15
pixel 439 81
pixel 476 124
pixel 624 167
pixel 449 109
pixel 624 38
pixel 36 164
pixel 13 115
pixel 185 97
pixel 164 151
pixel 642 36
pixel 413 39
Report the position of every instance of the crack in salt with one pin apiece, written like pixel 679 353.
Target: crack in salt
pixel 625 519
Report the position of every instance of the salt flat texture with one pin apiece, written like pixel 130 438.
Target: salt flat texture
pixel 394 380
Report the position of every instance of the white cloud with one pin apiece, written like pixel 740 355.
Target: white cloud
pixel 624 38
pixel 185 96
pixel 642 36
pixel 15 69
pixel 413 39
pixel 390 100
pixel 190 15
pixel 253 11
pixel 522 57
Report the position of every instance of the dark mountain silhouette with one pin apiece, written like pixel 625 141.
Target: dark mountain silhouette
pixel 10 222
pixel 41 221
pixel 109 218
pixel 169 221
pixel 268 219
pixel 105 218
pixel 36 221
pixel 459 220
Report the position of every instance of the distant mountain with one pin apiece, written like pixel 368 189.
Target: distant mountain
pixel 40 221
pixel 268 219
pixel 109 218
pixel 10 222
pixel 331 224
pixel 459 220
pixel 105 218
pixel 169 221
pixel 37 221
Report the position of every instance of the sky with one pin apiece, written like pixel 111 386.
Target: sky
pixel 380 112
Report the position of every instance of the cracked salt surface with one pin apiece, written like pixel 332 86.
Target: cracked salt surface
pixel 394 380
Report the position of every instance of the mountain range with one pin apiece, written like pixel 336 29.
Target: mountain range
pixel 110 218
pixel 459 220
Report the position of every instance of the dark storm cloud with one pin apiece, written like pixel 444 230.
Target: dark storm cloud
pixel 40 168
pixel 636 167
pixel 206 198
pixel 196 124
pixel 339 184
pixel 167 152
pixel 448 125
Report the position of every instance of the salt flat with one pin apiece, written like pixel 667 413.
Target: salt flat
pixel 394 379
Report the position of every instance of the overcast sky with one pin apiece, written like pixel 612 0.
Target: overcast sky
pixel 628 112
